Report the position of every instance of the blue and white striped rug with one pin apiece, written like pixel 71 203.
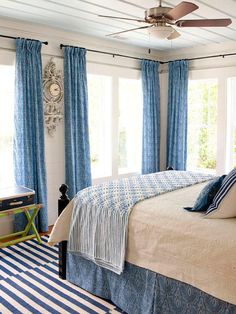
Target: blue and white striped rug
pixel 29 283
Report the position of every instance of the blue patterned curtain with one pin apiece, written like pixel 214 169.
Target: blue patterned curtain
pixel 29 160
pixel 151 117
pixel 77 151
pixel 177 115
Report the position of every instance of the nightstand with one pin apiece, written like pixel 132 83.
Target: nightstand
pixel 17 237
pixel 15 200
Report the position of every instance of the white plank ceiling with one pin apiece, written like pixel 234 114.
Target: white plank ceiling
pixel 81 16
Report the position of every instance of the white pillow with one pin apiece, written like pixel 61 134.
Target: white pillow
pixel 224 203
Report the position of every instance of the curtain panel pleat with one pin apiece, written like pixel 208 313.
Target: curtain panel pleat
pixel 151 117
pixel 29 155
pixel 77 149
pixel 177 115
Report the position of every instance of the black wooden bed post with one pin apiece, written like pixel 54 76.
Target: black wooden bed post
pixel 62 203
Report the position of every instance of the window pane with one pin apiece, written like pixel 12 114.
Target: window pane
pixel 100 89
pixel 202 124
pixel 7 78
pixel 130 125
pixel 231 98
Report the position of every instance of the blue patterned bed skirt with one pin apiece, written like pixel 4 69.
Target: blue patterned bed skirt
pixel 141 291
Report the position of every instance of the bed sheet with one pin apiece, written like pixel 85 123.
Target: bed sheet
pixel 166 239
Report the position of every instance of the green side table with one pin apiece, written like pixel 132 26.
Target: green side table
pixel 22 235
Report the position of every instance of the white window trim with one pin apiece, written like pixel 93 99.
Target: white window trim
pixel 115 72
pixel 223 115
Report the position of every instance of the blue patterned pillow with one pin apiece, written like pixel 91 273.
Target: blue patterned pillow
pixel 207 195
pixel 224 203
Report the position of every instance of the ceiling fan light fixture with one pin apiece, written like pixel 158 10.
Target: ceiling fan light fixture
pixel 160 32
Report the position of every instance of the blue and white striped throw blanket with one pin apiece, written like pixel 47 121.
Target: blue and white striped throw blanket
pixel 100 217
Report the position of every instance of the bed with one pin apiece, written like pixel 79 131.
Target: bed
pixel 176 261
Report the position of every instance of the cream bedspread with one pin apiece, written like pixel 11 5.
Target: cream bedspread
pixel 178 244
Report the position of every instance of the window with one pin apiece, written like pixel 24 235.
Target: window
pixel 115 122
pixel 130 122
pixel 202 125
pixel 100 89
pixel 231 145
pixel 234 147
pixel 7 78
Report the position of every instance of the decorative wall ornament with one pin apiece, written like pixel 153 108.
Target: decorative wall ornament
pixel 53 96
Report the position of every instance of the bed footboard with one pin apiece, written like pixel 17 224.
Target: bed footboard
pixel 62 203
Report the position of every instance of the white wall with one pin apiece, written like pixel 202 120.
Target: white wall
pixel 55 145
pixel 55 162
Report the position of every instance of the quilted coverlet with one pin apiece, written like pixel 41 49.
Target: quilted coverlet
pixel 100 216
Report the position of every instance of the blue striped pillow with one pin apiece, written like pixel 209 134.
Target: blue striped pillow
pixel 224 203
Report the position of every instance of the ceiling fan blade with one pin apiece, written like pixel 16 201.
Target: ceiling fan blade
pixel 174 35
pixel 182 9
pixel 122 18
pixel 204 23
pixel 129 30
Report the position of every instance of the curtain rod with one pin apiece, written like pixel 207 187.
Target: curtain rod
pixel 205 57
pixel 110 53
pixel 12 37
pixel 161 62
pixel 213 56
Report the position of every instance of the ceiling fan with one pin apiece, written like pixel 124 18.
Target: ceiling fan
pixel 161 20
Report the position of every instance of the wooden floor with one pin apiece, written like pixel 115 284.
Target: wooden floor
pixel 46 233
